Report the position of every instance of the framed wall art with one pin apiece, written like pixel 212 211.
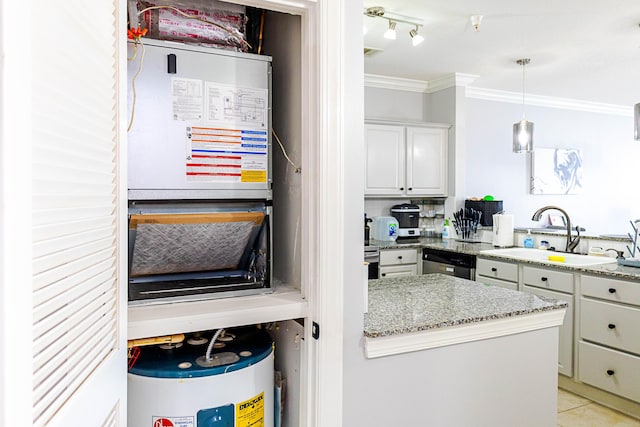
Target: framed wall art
pixel 556 171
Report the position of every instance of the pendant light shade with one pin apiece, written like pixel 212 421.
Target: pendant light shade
pixel 523 130
pixel 522 136
pixel 636 122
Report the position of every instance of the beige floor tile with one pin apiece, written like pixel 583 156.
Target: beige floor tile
pixel 567 400
pixel 594 415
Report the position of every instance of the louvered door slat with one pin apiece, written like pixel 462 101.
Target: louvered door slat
pixel 54 326
pixel 72 254
pixel 51 290
pixel 51 276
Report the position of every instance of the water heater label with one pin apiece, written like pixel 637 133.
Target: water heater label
pixel 250 413
pixel 173 422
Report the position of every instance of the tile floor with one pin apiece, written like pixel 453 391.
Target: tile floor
pixel 576 411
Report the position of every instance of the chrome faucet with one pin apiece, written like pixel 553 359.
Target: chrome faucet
pixel 571 243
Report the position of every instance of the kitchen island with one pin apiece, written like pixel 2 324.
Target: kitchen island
pixel 446 351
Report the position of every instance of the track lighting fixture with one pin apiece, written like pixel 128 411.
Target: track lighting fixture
pixel 394 19
pixel 416 38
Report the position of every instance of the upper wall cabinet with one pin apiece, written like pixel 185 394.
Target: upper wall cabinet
pixel 406 160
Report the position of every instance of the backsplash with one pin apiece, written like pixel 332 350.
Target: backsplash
pixel 431 212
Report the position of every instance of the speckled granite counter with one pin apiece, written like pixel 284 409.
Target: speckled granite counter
pixel 433 310
pixel 613 270
pixel 452 245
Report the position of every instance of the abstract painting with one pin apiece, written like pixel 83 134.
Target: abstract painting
pixel 556 171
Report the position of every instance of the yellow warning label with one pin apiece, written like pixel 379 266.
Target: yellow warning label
pixel 253 176
pixel 250 413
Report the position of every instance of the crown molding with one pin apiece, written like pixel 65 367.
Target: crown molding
pixel 451 80
pixel 423 86
pixel 464 80
pixel 549 101
pixel 395 83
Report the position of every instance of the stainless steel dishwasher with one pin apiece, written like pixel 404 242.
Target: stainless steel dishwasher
pixel 451 263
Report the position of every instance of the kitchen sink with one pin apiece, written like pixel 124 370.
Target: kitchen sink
pixel 551 257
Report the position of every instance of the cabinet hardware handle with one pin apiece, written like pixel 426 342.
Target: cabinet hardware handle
pixel 410 189
pixel 494 269
pixel 612 290
pixel 383 274
pixel 612 326
pixel 401 188
pixel 610 372
pixel 399 256
pixel 544 279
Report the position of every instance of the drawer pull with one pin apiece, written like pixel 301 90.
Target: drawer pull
pixel 612 290
pixel 401 188
pixel 612 326
pixel 544 279
pixel 610 372
pixel 494 269
pixel 410 189
pixel 399 256
pixel 383 274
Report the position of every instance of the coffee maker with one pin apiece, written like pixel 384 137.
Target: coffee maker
pixel 408 216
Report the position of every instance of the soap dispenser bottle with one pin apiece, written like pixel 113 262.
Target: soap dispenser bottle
pixel 445 230
pixel 528 240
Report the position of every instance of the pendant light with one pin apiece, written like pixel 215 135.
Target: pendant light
pixel 523 130
pixel 636 122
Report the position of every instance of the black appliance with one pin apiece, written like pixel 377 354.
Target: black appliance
pixel 449 263
pixel 487 207
pixel 372 256
pixel 408 216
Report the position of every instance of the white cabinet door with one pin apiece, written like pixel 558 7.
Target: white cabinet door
pixel 427 153
pixel 565 344
pixel 385 160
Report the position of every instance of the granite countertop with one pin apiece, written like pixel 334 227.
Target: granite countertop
pixel 613 270
pixel 435 301
pixel 452 245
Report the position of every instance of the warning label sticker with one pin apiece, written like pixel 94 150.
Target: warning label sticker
pixel 250 413
pixel 173 422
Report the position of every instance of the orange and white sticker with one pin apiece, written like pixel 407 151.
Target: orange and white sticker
pixel 250 413
pixel 173 422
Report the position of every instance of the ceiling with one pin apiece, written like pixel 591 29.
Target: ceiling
pixel 580 49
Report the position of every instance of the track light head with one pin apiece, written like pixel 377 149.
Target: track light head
pixel 416 38
pixel 391 31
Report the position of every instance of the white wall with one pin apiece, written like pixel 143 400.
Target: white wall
pixel 610 163
pixel 353 293
pixel 380 103
pixel 483 162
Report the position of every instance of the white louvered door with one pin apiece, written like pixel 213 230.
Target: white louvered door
pixel 79 323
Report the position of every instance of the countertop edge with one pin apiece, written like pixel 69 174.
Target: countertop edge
pixel 434 338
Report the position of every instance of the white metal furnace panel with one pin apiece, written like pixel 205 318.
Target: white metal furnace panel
pixel 201 120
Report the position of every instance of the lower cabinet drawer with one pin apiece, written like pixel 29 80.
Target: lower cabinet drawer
pixel 497 269
pixel 548 279
pixel 497 282
pixel 613 325
pixel 612 290
pixel 398 256
pixel 610 370
pixel 398 271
